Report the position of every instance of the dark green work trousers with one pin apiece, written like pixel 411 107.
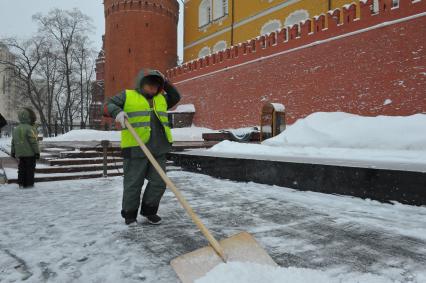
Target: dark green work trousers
pixel 136 171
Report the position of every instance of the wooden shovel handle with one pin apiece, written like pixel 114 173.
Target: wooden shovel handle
pixel 213 242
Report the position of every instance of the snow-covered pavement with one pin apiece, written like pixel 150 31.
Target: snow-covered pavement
pixel 72 232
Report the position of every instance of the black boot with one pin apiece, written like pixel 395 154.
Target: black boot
pixel 153 219
pixel 130 221
pixel 129 216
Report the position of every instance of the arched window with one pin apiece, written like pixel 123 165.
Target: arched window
pixel 296 17
pixel 220 9
pixel 204 13
pixel 205 51
pixel 219 46
pixel 270 26
pixel 375 6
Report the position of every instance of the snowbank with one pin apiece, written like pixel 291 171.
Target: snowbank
pixel 237 272
pixel 5 144
pixel 87 135
pixel 3 154
pixel 179 134
pixel 345 137
pixel 343 130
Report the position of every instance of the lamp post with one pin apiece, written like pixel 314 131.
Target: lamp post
pixel 232 22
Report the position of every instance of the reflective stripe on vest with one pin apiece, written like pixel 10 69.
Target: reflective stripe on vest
pixel 139 112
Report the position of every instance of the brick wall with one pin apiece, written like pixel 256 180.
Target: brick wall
pixel 369 65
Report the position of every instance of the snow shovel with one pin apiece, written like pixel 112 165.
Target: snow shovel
pixel 189 267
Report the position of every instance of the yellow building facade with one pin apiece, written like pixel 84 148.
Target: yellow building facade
pixel 213 25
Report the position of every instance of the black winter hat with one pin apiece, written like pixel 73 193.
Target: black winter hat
pixel 153 80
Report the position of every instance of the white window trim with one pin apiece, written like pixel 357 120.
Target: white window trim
pixel 375 6
pixel 208 5
pixel 225 9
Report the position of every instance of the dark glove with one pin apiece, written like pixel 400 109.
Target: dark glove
pixel 37 156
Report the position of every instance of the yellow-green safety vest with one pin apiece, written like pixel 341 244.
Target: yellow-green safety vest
pixel 139 112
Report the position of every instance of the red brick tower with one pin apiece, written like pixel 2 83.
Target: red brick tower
pixel 138 34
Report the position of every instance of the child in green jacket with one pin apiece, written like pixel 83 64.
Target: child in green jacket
pixel 25 147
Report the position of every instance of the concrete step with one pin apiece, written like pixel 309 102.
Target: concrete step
pixel 50 153
pixel 66 177
pixel 82 161
pixel 99 149
pixel 87 154
pixel 69 169
pixel 46 176
pixel 85 161
pixel 177 146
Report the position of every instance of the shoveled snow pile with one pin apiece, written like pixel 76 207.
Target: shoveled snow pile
pixel 237 272
pixel 343 136
pixel 179 134
pixel 337 129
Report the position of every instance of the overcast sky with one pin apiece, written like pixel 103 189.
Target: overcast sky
pixel 16 16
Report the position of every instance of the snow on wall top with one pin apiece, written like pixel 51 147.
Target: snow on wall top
pixel 184 108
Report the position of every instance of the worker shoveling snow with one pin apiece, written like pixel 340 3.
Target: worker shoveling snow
pixel 238 272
